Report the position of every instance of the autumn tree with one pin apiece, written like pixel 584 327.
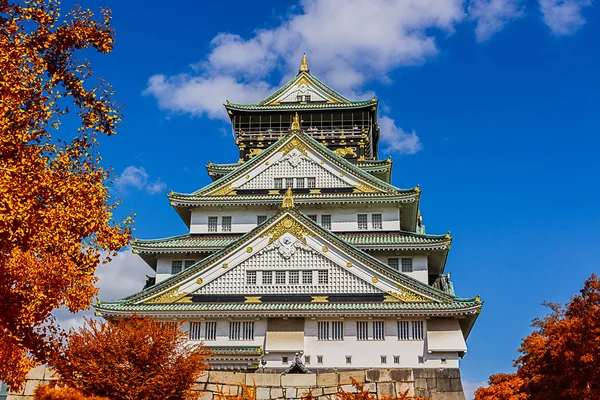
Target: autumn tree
pixel 56 221
pixel 47 393
pixel 131 358
pixel 560 359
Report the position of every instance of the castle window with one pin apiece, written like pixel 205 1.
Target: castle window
pixel 323 330
pixel 212 224
pixel 303 98
pixel 278 183
pixel 176 266
pixel 326 221
pixel 403 332
pixel 396 359
pixel 319 359
pixel 362 330
pixel 376 221
pixel 417 330
pixel 383 359
pixel 337 330
pixel 280 277
pixel 226 224
pixel 306 359
pixel 195 332
pixel 362 221
pixel 311 183
pixel 267 277
pixel 378 330
pixel 239 330
pixel 323 276
pixel 289 182
pixel 407 265
pixel 307 277
pixel 348 359
pixel 188 263
pixel 444 361
pixel 313 217
pixel 250 277
pixel 284 360
pixel 393 263
pixel 260 219
pixel 300 183
pixel 210 330
pixel 294 277
pixel 421 360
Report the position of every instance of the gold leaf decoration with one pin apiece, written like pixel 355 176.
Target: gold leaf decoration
pixel 224 191
pixel 342 152
pixel 295 143
pixel 364 188
pixel 407 296
pixel 252 299
pixel 320 299
pixel 169 297
pixel 285 225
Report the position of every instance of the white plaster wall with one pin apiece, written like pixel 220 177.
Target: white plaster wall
pixel 419 263
pixel 342 219
pixel 163 264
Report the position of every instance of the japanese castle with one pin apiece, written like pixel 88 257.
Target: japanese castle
pixel 303 247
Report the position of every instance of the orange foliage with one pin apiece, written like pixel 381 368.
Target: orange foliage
pixel 46 393
pixel 131 358
pixel 560 359
pixel 55 213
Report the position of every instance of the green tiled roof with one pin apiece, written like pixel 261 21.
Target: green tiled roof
pixel 236 350
pixel 297 106
pixel 456 305
pixel 190 242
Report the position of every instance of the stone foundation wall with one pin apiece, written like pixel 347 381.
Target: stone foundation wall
pixel 438 384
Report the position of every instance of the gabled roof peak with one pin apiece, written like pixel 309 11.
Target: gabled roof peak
pixel 303 65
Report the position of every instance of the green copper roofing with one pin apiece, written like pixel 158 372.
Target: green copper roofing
pixel 312 79
pixel 236 350
pixel 191 243
pixel 296 106
pixel 386 188
pixel 373 263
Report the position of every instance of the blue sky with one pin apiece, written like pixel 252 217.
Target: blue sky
pixel 491 106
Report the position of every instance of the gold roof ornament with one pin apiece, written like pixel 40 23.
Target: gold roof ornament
pixel 296 122
pixel 303 64
pixel 288 200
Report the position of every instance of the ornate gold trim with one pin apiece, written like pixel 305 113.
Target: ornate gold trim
pixel 320 299
pixel 288 200
pixel 227 190
pixel 285 225
pixel 295 143
pixel 248 249
pixel 296 123
pixel 407 296
pixel 349 264
pixel 199 281
pixel 252 299
pixel 364 188
pixel 170 296
pixel 225 265
pixel 325 249
pixel 374 279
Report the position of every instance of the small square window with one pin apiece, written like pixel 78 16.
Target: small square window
pixel 307 277
pixel 394 263
pixel 407 265
pixel 300 183
pixel 250 277
pixel 278 183
pixel 376 221
pixel 176 267
pixel 444 361
pixel 362 221
pixel 260 219
pixel 267 277
pixel 326 221
pixel 323 277
pixel 421 360
pixel 348 359
pixel 311 183
pixel 319 359
pixel 212 224
pixel 226 224
pixel 188 263
pixel 396 359
pixel 313 217
pixel 294 277
pixel 306 359
pixel 289 182
pixel 284 360
pixel 280 277
pixel 383 359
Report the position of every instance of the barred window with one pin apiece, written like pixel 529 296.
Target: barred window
pixel 323 277
pixel 362 330
pixel 210 330
pixel 241 330
pixel 212 224
pixel 337 330
pixel 267 277
pixel 417 330
pixel 393 263
pixel 195 331
pixel 348 359
pixel 280 277
pixel 319 359
pixel 323 330
pixel 226 224
pixel 284 360
pixel 189 263
pixel 396 359
pixel 407 265
pixel 278 183
pixel 260 219
pixel 383 359
pixel 306 359
pixel 289 182
pixel 250 277
pixel 326 221
pixel 378 330
pixel 376 221
pixel 300 183
pixel 403 332
pixel 294 277
pixel 307 277
pixel 311 183
pixel 176 266
pixel 420 359
pixel 362 221
pixel 313 217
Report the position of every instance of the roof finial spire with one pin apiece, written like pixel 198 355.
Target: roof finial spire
pixel 288 200
pixel 296 123
pixel 303 65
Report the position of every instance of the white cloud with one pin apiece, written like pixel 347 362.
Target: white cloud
pixel 395 140
pixel 471 387
pixel 137 177
pixel 563 16
pixel 125 274
pixel 493 15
